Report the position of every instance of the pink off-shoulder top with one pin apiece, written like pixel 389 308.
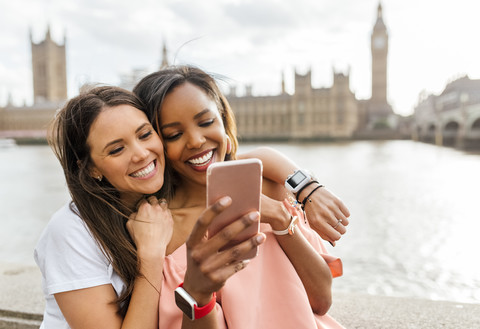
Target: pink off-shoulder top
pixel 268 293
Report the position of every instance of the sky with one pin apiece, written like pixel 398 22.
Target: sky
pixel 248 42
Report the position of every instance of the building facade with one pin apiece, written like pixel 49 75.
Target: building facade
pixel 29 123
pixel 26 123
pixel 324 113
pixel 308 114
pixel 49 69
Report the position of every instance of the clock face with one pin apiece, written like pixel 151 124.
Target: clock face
pixel 379 42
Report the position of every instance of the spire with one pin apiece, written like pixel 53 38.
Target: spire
pixel 47 36
pixel 379 24
pixel 283 82
pixel 9 100
pixel 164 56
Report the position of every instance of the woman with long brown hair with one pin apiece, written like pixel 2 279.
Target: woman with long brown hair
pixel 103 254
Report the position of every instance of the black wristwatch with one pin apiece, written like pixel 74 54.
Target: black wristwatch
pixel 189 305
pixel 297 180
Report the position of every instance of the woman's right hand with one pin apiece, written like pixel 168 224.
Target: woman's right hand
pixel 208 268
pixel 151 227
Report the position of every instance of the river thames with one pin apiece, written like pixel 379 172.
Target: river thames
pixel 414 227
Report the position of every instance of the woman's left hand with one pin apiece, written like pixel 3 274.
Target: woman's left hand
pixel 151 227
pixel 326 213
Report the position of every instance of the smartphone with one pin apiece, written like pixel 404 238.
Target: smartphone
pixel 242 181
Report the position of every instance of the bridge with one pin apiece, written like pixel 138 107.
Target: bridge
pixel 451 118
pixel 458 127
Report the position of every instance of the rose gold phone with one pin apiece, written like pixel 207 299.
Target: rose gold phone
pixel 242 181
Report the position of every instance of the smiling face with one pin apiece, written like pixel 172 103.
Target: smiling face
pixel 193 132
pixel 126 150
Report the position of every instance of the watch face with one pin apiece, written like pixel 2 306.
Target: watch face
pixel 296 179
pixel 183 303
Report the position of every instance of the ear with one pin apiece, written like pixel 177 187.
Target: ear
pixel 94 173
pixel 229 145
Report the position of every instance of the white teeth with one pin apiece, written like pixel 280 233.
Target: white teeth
pixel 144 172
pixel 201 160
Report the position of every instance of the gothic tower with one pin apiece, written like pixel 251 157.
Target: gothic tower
pixel 378 104
pixel 164 56
pixel 49 70
pixel 379 47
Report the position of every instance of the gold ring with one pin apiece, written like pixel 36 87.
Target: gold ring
pixel 338 223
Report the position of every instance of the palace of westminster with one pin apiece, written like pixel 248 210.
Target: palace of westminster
pixel 308 114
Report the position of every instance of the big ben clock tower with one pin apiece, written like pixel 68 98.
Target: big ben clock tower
pixel 379 47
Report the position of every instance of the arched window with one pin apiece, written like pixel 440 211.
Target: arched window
pixel 476 124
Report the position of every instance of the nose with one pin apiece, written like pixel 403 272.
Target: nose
pixel 195 139
pixel 139 152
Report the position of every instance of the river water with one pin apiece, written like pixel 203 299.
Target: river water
pixel 415 219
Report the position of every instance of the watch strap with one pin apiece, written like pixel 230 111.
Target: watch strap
pixel 200 312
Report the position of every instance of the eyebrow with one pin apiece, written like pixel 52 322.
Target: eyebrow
pixel 120 139
pixel 195 117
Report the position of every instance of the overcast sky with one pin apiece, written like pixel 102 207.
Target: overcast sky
pixel 248 41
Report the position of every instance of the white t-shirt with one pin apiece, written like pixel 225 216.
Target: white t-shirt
pixel 70 259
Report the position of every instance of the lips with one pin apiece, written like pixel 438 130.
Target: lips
pixel 144 172
pixel 201 160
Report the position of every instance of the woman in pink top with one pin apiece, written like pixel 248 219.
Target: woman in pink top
pixel 289 283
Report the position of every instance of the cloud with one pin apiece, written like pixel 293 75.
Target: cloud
pixel 261 14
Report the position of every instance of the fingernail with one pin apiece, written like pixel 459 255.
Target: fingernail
pixel 253 216
pixel 260 238
pixel 224 201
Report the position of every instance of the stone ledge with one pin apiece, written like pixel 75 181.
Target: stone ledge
pixel 21 307
pixel 19 320
pixel 379 312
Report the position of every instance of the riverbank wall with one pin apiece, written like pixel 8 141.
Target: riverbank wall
pixel 21 307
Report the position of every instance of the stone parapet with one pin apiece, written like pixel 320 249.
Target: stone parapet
pixel 21 307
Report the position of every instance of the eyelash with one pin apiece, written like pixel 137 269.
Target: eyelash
pixel 146 135
pixel 207 123
pixel 115 151
pixel 176 136
pixel 119 149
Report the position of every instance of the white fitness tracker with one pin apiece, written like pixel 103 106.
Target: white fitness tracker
pixel 297 180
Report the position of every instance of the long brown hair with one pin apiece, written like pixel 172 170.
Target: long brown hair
pixel 98 202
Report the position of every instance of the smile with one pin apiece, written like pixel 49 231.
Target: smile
pixel 145 171
pixel 200 161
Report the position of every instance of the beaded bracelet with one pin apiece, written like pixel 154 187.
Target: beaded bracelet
pixel 308 196
pixel 301 190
